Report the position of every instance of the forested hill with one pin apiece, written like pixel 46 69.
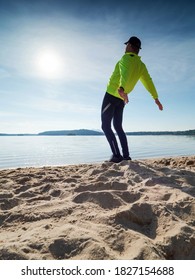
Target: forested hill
pixel 78 132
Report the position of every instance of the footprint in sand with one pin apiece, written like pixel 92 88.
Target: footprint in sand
pixel 55 193
pixel 9 203
pixel 62 248
pixel 22 189
pixel 105 200
pixel 140 217
pixel 100 186
pixel 8 254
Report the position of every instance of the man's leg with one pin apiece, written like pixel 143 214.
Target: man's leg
pixel 108 108
pixel 117 122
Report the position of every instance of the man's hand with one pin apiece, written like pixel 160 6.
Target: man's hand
pixel 123 95
pixel 160 106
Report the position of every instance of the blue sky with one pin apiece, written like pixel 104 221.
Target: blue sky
pixel 56 58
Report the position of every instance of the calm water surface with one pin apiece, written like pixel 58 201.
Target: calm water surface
pixel 21 151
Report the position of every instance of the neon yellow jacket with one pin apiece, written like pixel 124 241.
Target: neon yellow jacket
pixel 128 70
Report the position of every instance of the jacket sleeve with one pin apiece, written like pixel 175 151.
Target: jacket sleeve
pixel 148 83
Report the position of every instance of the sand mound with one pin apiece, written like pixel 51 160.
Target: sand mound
pixel 132 210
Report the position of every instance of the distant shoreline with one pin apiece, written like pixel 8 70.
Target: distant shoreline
pixel 86 132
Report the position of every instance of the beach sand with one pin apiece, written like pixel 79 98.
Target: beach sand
pixel 143 210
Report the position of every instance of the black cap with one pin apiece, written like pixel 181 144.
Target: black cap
pixel 134 41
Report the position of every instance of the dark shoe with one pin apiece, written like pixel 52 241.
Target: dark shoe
pixel 116 159
pixel 126 158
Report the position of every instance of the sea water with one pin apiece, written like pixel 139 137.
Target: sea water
pixel 25 151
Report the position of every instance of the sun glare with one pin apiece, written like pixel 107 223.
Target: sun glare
pixel 49 64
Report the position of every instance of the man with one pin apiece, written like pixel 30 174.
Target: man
pixel 128 71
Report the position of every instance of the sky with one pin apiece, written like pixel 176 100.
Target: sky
pixel 56 58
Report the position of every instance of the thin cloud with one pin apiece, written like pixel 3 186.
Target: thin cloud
pixel 171 61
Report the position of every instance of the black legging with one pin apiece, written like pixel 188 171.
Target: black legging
pixel 112 109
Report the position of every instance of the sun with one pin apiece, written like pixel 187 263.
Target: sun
pixel 49 64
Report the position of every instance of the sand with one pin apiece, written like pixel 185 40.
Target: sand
pixel 138 210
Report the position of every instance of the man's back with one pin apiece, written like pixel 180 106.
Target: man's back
pixel 128 70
